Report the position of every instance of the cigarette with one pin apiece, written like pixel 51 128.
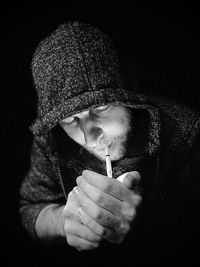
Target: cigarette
pixel 108 163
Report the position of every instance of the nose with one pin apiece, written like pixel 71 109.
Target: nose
pixel 93 133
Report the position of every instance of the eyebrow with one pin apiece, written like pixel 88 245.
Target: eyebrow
pixel 93 109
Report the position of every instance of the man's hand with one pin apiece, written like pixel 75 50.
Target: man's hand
pixel 107 206
pixel 77 234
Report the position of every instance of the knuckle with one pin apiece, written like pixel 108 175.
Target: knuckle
pixel 93 226
pixel 96 245
pixel 70 240
pixel 132 214
pixel 101 230
pixel 115 237
pixel 84 202
pixel 107 186
pixel 124 229
pixel 90 236
pixel 99 198
pixel 105 232
pixel 89 246
pixel 137 175
pixel 84 235
pixel 97 238
pixel 98 214
pixel 129 213
pixel 67 227
pixel 127 229
pixel 79 248
pixel 66 213
pixel 138 199
pixel 120 239
pixel 70 196
pixel 113 223
pixel 84 173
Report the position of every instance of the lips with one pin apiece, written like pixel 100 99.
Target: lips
pixel 100 148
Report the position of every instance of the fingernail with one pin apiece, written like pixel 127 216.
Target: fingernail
pixel 78 180
pixel 76 190
pixel 129 176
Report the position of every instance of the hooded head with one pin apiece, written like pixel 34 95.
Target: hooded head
pixel 76 68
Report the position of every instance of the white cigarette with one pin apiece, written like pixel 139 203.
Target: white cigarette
pixel 108 163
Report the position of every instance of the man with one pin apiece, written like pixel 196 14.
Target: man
pixel 86 104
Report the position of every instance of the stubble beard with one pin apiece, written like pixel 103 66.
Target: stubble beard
pixel 118 146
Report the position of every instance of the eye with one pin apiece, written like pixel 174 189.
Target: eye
pixel 101 109
pixel 70 122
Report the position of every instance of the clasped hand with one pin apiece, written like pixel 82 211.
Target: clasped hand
pixel 99 208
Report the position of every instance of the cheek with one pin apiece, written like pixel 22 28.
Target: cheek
pixel 75 134
pixel 116 126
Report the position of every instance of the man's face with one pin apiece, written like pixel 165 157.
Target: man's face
pixel 103 126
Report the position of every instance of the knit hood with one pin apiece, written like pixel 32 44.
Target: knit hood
pixel 76 68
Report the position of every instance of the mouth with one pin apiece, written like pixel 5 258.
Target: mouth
pixel 102 148
pixel 99 149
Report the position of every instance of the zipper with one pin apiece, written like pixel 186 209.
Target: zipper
pixel 57 167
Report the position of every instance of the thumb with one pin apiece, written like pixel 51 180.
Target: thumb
pixel 130 179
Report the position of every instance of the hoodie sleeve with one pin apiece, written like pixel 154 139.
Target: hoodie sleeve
pixel 175 218
pixel 183 203
pixel 185 198
pixel 39 188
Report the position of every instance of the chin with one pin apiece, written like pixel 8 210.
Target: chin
pixel 100 156
pixel 118 153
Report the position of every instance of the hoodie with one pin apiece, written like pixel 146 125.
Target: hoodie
pixel 76 68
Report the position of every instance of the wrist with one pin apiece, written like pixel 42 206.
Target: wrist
pixel 49 224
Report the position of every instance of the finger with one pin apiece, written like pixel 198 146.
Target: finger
pixel 90 223
pixel 70 209
pixel 104 200
pixel 97 213
pixel 131 179
pixel 78 229
pixel 80 243
pixel 104 232
pixel 105 184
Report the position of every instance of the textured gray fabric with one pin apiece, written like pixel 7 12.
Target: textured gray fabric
pixel 75 68
pixel 170 161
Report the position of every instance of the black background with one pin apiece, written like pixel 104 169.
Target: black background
pixel 163 45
